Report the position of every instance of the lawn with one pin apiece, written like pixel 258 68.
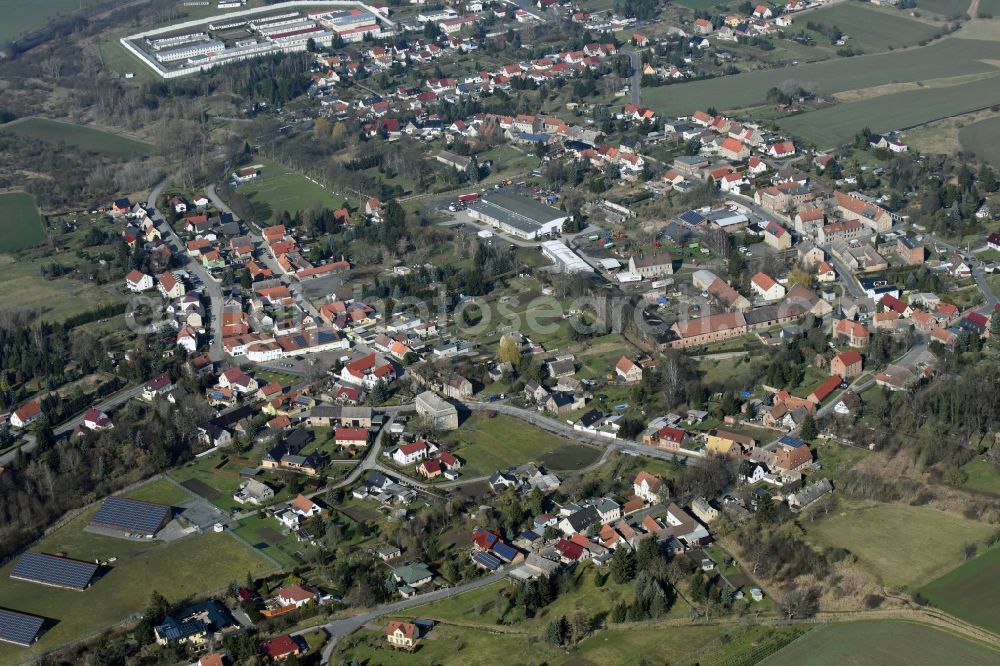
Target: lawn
pixel 85 138
pixel 835 459
pixel 984 477
pixel 193 565
pixel 970 591
pixel 223 480
pixel 668 644
pixel 982 139
pixel 838 124
pixel 902 546
pixel 446 645
pixel 161 491
pixel 20 224
pixel 486 445
pixel 700 4
pixel 885 643
pixel 265 534
pixel 277 189
pixel 22 15
pixel 947 58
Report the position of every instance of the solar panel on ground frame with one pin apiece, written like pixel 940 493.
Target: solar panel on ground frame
pixel 55 571
pixel 19 628
pixel 130 515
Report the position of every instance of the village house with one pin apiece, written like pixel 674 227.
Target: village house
pixel 847 364
pixel 26 414
pixel 628 371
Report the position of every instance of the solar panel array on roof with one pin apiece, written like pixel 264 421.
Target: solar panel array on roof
pixel 487 560
pixel 132 516
pixel 54 571
pixel 19 628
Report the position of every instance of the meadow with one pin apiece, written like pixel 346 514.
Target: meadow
pixel 20 224
pixel 838 124
pixel 490 444
pixel 970 591
pixel 278 189
pixel 178 570
pixel 901 545
pixel 887 643
pixel 982 139
pixel 80 136
pixel 945 7
pixel 945 58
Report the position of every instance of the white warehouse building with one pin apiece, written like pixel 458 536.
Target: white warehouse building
pixel 565 259
pixel 517 215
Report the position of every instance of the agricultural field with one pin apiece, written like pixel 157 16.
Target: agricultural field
pixel 883 642
pixel 490 444
pixel 20 224
pixel 22 15
pixel 278 189
pixel 970 591
pixel 193 565
pixel 838 124
pixel 85 138
pixel 945 7
pixel 946 58
pixel 901 545
pixel 871 29
pixel 982 139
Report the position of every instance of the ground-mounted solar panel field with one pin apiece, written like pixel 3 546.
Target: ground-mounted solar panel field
pixel 131 516
pixel 55 571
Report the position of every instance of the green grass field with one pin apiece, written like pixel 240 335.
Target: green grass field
pixel 487 445
pixel 901 545
pixel 277 189
pixel 22 15
pixel 85 138
pixel 161 491
pixel 982 139
pixel 224 481
pixel 970 591
pixel 20 224
pixel 946 58
pixel 871 29
pixel 193 565
pixel 885 643
pixel 264 534
pixel 838 124
pixel 449 645
pixel 984 477
pixel 944 7
pixel 701 4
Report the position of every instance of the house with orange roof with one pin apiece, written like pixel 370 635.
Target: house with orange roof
pixel 825 272
pixel 734 149
pixel 402 635
pixel 872 216
pixel 766 287
pixel 853 333
pixel 648 486
pixel 628 371
pixel 847 364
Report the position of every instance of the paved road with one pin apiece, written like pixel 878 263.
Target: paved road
pixel 846 278
pixel 989 297
pixel 212 288
pixel 634 88
pixel 108 404
pixel 341 628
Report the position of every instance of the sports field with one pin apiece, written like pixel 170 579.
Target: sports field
pixel 946 58
pixel 901 545
pixel 838 124
pixel 85 138
pixel 885 643
pixel 487 445
pixel 982 139
pixel 278 189
pixel 970 591
pixel 193 565
pixel 20 224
